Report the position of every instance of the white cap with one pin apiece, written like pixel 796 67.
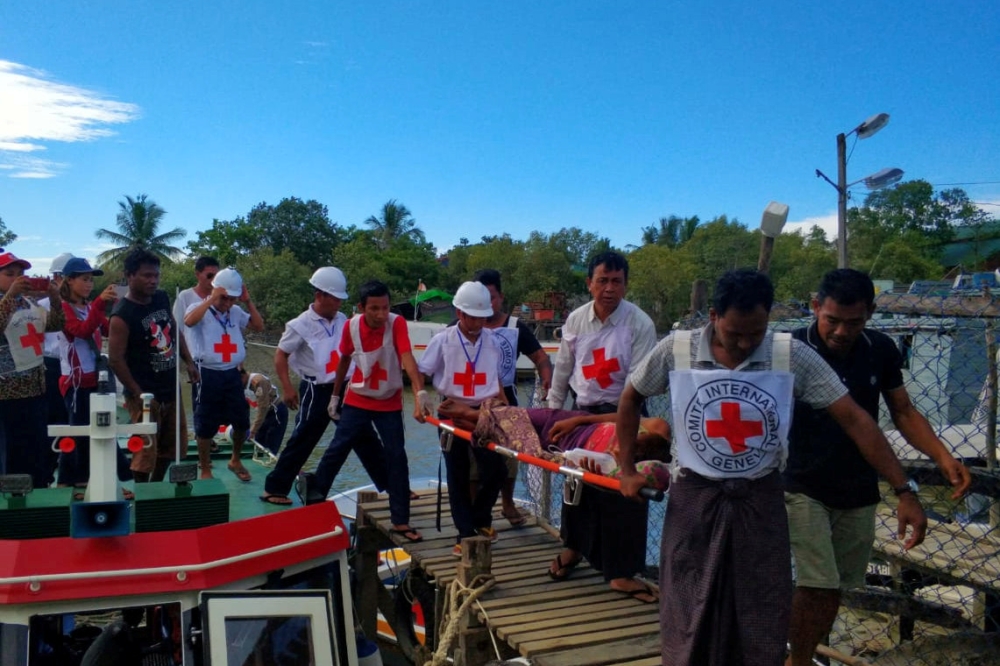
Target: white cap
pixel 473 298
pixel 59 263
pixel 330 280
pixel 229 280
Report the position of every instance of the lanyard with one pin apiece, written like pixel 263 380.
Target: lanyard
pixel 223 322
pixel 329 331
pixel 479 349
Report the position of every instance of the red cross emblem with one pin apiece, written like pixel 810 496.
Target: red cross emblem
pixel 733 428
pixel 377 376
pixel 227 348
pixel 469 380
pixel 601 368
pixel 331 365
pixel 33 339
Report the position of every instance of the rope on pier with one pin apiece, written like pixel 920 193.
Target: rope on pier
pixel 460 599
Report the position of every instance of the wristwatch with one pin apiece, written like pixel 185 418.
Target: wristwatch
pixel 909 487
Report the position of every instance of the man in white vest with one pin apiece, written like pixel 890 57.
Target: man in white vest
pixel 725 564
pixel 215 338
pixel 464 362
pixel 601 342
pixel 515 339
pixel 378 343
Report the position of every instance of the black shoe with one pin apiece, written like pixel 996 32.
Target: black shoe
pixel 305 488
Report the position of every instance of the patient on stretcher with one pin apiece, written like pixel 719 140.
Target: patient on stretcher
pixel 566 436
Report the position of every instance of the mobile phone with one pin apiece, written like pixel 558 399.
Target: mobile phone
pixel 121 290
pixel 38 283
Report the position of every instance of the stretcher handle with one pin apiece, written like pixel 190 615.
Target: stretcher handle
pixel 587 477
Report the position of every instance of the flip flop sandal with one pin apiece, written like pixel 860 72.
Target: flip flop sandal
pixel 563 569
pixel 410 534
pixel 517 519
pixel 241 473
pixel 639 592
pixel 277 500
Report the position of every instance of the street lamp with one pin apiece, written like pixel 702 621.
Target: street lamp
pixel 877 180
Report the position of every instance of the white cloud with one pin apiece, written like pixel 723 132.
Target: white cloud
pixel 37 109
pixel 827 223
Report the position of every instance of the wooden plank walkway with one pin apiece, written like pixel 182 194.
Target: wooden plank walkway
pixel 575 622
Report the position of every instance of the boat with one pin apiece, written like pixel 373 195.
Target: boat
pixel 189 572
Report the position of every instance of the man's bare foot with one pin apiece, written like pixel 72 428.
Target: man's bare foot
pixel 205 472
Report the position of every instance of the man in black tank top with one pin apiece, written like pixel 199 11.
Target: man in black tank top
pixel 142 351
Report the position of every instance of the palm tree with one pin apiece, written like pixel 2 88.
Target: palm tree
pixel 137 222
pixel 395 221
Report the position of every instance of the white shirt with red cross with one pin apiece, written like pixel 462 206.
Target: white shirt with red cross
pixel 377 372
pixel 25 335
pixel 467 372
pixel 216 342
pixel 312 344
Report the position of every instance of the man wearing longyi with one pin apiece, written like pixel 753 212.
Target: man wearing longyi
pixel 725 564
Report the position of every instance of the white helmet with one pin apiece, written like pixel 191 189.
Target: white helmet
pixel 330 280
pixel 473 298
pixel 229 280
pixel 59 263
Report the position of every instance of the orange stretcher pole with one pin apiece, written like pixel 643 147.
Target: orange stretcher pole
pixel 586 477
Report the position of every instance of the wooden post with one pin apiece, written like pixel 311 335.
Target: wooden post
pixel 474 644
pixel 369 540
pixel 764 258
pixel 699 297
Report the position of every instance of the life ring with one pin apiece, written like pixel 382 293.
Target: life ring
pixel 557 334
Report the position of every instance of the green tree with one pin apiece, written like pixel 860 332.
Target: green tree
pixel 304 227
pixel 393 223
pixel 721 245
pixel 660 279
pixel 228 240
pixel 401 266
pixel 138 224
pixel 278 283
pixel 671 231
pixel 6 236
pixel 912 210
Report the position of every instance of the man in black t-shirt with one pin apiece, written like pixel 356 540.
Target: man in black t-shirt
pixel 143 344
pixel 830 491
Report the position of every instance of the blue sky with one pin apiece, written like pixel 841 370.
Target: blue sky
pixel 482 117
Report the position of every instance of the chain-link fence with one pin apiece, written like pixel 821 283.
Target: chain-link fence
pixel 938 603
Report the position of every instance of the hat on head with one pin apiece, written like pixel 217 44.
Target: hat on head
pixel 77 265
pixel 8 258
pixel 473 298
pixel 59 263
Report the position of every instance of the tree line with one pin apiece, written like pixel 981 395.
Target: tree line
pixel 897 233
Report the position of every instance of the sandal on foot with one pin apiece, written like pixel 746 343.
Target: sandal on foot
pixel 562 570
pixel 408 533
pixel 639 592
pixel 277 500
pixel 516 518
pixel 240 471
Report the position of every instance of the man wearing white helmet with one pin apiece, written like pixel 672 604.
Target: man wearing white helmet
pixel 465 364
pixel 310 347
pixel 215 338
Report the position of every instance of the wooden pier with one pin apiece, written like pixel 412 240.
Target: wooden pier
pixel 574 622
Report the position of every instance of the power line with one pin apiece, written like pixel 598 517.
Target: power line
pixel 981 182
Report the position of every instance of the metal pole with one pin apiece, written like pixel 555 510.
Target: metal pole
pixel 841 201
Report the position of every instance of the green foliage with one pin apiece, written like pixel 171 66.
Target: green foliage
pixel 278 284
pixel 6 236
pixel 401 266
pixel 671 231
pixel 394 222
pixel 303 227
pixel 720 245
pixel 659 282
pixel 138 222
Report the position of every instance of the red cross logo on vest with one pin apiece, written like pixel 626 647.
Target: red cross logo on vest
pixel 378 375
pixel 226 348
pixel 331 365
pixel 33 339
pixel 469 380
pixel 733 428
pixel 601 368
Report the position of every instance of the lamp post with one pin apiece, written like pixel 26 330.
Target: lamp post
pixel 875 181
